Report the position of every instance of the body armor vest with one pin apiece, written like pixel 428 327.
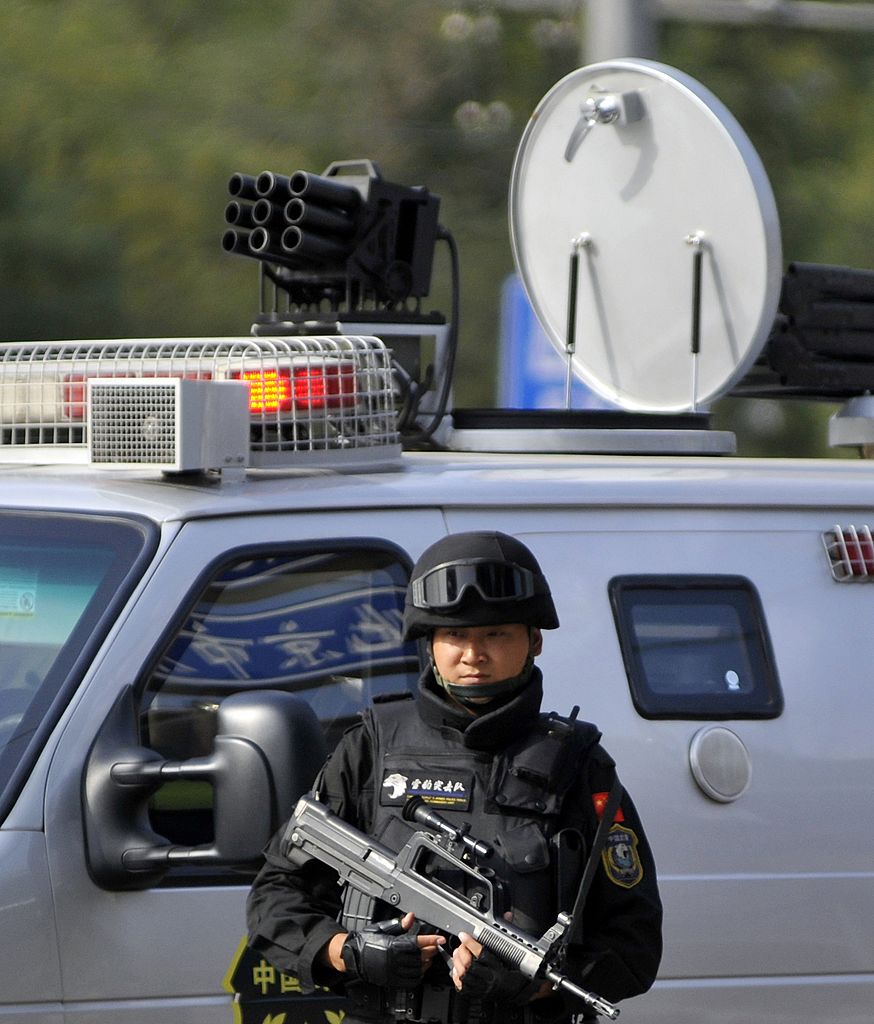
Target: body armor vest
pixel 511 798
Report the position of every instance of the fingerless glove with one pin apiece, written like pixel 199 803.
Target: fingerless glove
pixel 380 958
pixel 487 977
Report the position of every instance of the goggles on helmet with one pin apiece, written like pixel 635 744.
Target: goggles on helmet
pixel 445 586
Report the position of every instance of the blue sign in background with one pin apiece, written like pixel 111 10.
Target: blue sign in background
pixel 531 372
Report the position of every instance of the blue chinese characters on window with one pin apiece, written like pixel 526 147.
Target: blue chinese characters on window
pixel 323 624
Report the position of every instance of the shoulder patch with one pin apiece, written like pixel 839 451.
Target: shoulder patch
pixel 620 857
pixel 600 802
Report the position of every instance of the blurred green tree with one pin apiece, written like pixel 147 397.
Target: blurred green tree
pixel 121 121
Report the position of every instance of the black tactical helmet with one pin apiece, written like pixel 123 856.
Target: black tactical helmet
pixel 481 578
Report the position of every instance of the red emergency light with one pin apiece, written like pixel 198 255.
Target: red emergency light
pixel 269 390
pixel 75 389
pixel 851 552
pixel 326 386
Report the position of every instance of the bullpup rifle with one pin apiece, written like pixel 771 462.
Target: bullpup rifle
pixel 414 879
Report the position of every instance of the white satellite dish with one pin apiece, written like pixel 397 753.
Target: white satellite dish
pixel 643 175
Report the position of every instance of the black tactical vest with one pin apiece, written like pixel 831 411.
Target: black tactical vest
pixel 511 798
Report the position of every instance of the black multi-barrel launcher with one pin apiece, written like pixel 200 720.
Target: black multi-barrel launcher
pixel 345 239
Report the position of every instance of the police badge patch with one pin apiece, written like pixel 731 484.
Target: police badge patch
pixel 620 858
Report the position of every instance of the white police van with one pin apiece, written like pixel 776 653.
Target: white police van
pixel 205 546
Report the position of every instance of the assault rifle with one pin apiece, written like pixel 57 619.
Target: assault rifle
pixel 415 879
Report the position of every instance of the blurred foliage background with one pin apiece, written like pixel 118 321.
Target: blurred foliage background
pixel 121 121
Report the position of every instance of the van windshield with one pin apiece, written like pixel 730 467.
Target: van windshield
pixel 61 579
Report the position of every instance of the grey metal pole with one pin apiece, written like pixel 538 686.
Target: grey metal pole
pixel 618 28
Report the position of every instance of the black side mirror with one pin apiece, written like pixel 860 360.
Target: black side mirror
pixel 267 750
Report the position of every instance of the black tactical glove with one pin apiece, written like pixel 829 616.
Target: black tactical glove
pixel 488 978
pixel 385 956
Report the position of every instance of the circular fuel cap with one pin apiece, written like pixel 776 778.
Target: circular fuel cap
pixel 720 763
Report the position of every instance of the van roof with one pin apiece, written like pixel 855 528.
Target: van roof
pixel 453 480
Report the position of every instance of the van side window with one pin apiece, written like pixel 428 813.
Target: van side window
pixel 63 578
pixel 695 647
pixel 323 623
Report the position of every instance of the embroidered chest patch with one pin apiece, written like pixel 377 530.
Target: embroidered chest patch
pixel 620 858
pixel 448 789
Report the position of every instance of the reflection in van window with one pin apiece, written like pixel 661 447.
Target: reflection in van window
pixel 60 576
pixel 323 624
pixel 695 647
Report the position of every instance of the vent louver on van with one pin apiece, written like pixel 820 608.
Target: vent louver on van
pixel 850 551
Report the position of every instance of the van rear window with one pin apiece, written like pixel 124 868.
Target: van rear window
pixel 695 647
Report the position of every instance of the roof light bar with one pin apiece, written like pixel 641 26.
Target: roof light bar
pixel 331 386
pixel 850 551
pixel 324 401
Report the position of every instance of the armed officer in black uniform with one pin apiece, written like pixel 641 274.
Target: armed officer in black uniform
pixel 476 746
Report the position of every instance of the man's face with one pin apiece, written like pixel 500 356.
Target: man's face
pixel 473 655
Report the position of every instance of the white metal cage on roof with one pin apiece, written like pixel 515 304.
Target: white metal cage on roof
pixel 312 400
